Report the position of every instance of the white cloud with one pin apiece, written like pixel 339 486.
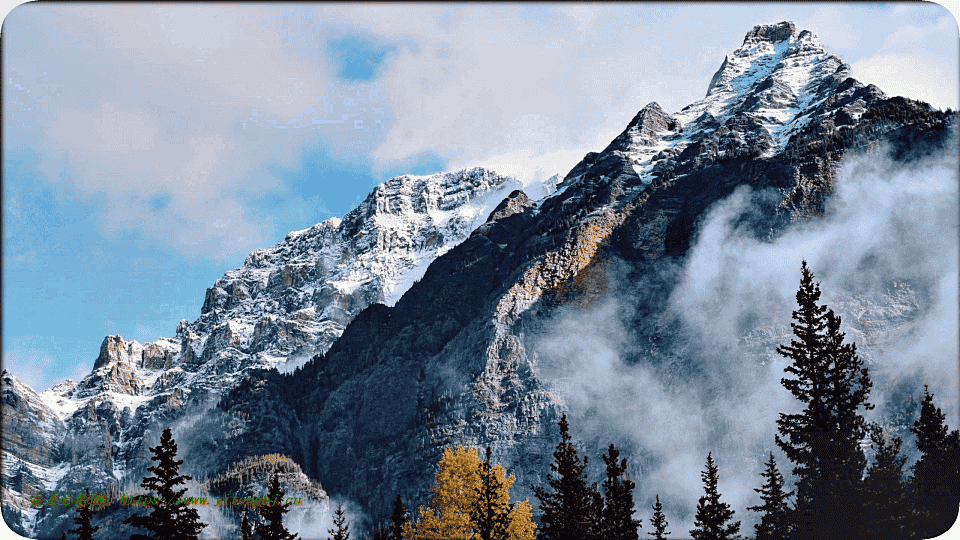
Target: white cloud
pixel 31 366
pixel 135 102
pixel 917 61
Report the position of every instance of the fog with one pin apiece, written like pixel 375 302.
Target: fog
pixel 885 253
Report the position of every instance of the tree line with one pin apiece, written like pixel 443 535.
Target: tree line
pixel 836 492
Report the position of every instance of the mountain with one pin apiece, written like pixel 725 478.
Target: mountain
pixel 283 305
pixel 425 312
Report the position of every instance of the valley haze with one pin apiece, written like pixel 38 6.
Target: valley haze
pixel 485 234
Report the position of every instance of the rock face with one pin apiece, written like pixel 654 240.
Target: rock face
pixel 283 305
pixel 414 308
pixel 449 364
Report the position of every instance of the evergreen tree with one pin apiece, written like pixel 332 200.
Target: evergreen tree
pixel 170 518
pixel 617 512
pixel 381 532
pixel 823 441
pixel 936 474
pixel 713 517
pixel 342 531
pixel 271 515
pixel 886 504
pixel 491 508
pixel 397 519
pixel 246 530
pixel 775 521
pixel 63 536
pixel 658 522
pixel 84 530
pixel 569 510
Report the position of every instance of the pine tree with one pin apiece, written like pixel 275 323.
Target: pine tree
pixel 246 530
pixel 936 474
pixel 658 522
pixel 397 519
pixel 491 507
pixel 617 512
pixel 886 504
pixel 84 530
pixel 342 531
pixel 381 532
pixel 823 441
pixel 713 517
pixel 271 515
pixel 170 518
pixel 567 512
pixel 775 521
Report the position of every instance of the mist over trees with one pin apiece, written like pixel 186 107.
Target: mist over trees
pixel 170 518
pixel 836 489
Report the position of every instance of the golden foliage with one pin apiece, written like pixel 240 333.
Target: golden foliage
pixel 521 526
pixel 448 514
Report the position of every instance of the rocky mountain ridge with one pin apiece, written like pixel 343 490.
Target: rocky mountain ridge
pixel 284 304
pixel 451 362
pixel 404 364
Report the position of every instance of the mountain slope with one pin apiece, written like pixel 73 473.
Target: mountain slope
pixel 424 323
pixel 284 304
pixel 450 363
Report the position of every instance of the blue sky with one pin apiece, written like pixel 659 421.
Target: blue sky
pixel 149 148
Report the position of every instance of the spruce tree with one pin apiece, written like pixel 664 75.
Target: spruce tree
pixel 775 521
pixel 935 485
pixel 491 510
pixel 886 504
pixel 271 515
pixel 568 510
pixel 397 519
pixel 342 531
pixel 170 518
pixel 658 522
pixel 823 441
pixel 713 517
pixel 381 532
pixel 617 512
pixel 246 530
pixel 84 530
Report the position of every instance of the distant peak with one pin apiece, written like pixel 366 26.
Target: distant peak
pixel 772 33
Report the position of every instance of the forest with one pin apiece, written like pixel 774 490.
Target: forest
pixel 833 489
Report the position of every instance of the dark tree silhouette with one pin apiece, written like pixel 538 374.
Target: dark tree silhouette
pixel 397 519
pixel 886 503
pixel 775 521
pixel 658 522
pixel 84 530
pixel 935 485
pixel 823 441
pixel 568 510
pixel 617 512
pixel 713 519
pixel 170 518
pixel 271 515
pixel 491 511
pixel 342 530
pixel 246 530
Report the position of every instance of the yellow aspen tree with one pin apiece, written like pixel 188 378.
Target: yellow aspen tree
pixel 450 512
pixel 447 516
pixel 521 526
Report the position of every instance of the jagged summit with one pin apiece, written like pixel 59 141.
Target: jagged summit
pixel 418 359
pixel 766 91
pixel 772 33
